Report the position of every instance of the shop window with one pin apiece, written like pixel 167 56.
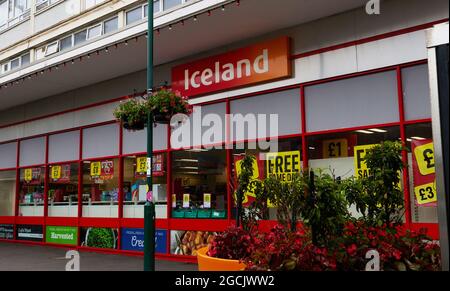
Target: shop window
pixel 63 190
pixel 276 114
pixel 101 141
pixel 111 25
pixel 359 101
pixel 171 3
pixel 337 154
pixel 8 155
pixel 7 192
pixel 422 188
pixel 416 92
pixel 199 184
pixel 135 185
pixel 134 15
pixel 31 191
pixel 66 43
pixel 136 141
pixel 205 126
pixel 288 149
pixel 100 188
pixel 32 151
pixel 64 147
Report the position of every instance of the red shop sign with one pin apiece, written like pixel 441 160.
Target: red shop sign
pixel 263 62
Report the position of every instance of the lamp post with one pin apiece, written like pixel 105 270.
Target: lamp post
pixel 149 207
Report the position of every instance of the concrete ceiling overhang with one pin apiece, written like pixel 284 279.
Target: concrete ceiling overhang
pixel 251 18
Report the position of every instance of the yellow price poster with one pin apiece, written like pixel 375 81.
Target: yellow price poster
pixel 28 175
pixel 424 155
pixel 174 200
pixel 283 165
pixel 426 193
pixel 250 193
pixel 207 200
pixel 335 148
pixel 360 152
pixel 186 200
pixel 141 165
pixel 96 168
pixel 55 173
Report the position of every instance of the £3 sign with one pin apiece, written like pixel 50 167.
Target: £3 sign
pixel 247 66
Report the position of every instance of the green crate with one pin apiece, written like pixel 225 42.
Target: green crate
pixel 204 213
pixel 190 214
pixel 218 214
pixel 178 213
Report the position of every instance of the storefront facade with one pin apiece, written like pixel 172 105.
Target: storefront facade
pixel 76 178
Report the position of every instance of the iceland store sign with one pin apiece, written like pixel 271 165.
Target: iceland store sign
pixel 133 240
pixel 263 62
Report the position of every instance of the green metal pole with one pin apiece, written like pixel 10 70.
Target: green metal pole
pixel 149 208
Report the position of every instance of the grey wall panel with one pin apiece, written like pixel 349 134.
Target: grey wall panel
pixel 32 151
pixel 8 155
pixel 416 90
pixel 101 141
pixel 64 147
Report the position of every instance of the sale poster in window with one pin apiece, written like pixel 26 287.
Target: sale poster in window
pixel 424 173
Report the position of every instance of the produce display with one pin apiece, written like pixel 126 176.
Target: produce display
pixel 189 242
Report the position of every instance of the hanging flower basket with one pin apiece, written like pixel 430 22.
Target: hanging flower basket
pixel 132 114
pixel 166 103
pixel 163 104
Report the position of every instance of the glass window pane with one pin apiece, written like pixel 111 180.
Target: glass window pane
pixel 416 92
pixel 134 15
pixel 171 3
pixel 25 59
pixel 64 147
pixel 63 190
pixel 135 189
pixel 90 3
pixel 15 63
pixel 51 49
pixel 31 191
pixel 101 188
pixel 32 152
pixel 65 43
pixel 284 106
pixel 156 6
pixel 3 12
pixel 199 184
pixel 7 192
pixel 136 141
pixel 40 53
pixel 352 102
pixel 111 25
pixel 290 148
pixel 8 155
pixel 101 141
pixel 334 154
pixel 80 37
pixel 94 31
pixel 422 173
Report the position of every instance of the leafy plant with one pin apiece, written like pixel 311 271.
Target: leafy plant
pixel 234 243
pixel 101 238
pixel 165 103
pixel 244 181
pixel 132 113
pixel 325 209
pixel 378 197
pixel 288 197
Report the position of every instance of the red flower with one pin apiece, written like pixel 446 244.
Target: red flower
pixel 397 254
pixel 351 250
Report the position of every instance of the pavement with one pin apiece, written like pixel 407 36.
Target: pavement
pixel 23 257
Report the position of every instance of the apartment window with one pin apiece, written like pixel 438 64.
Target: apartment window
pixel 3 12
pixel 5 68
pixel 111 25
pixel 94 31
pixel 40 4
pixel 40 53
pixel 52 48
pixel 15 63
pixel 92 3
pixel 134 15
pixel 65 43
pixel 80 37
pixel 171 3
pixel 25 60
